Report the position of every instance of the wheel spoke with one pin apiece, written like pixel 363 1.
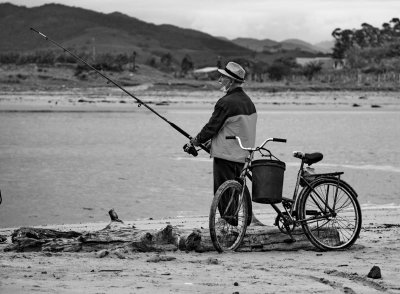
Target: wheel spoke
pixel 227 230
pixel 338 222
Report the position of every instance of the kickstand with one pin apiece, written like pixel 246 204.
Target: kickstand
pixel 291 240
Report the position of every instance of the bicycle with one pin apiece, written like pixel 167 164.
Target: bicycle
pixel 325 206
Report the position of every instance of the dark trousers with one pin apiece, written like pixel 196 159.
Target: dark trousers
pixel 224 170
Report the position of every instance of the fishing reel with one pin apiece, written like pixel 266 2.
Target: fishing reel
pixel 189 148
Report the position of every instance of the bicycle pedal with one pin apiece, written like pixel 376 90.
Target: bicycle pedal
pixel 289 241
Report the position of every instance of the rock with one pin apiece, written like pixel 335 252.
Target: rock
pixel 119 254
pixel 212 261
pixel 193 240
pixel 3 239
pixel 158 258
pixel 102 253
pixel 375 273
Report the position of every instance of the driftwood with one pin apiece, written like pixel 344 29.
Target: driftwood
pixel 118 236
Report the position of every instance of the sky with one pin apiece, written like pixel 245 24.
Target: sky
pixel 309 20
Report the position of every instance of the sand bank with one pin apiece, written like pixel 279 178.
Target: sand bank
pixel 113 99
pixel 303 271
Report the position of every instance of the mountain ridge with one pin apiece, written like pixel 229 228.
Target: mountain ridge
pixel 115 32
pixel 89 31
pixel 288 44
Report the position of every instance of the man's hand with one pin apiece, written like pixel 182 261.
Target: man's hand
pixel 194 141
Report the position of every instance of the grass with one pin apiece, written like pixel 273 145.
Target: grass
pixel 33 77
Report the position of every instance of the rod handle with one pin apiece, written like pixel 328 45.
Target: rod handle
pixel 279 140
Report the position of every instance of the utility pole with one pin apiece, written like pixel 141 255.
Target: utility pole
pixel 93 49
pixel 133 61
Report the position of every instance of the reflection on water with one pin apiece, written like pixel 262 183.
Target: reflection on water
pixel 73 167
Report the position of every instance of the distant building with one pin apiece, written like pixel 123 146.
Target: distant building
pixel 206 73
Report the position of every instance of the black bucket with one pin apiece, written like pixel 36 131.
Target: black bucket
pixel 267 180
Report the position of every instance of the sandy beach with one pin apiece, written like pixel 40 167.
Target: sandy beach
pixel 275 271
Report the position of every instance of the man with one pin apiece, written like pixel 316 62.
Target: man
pixel 234 115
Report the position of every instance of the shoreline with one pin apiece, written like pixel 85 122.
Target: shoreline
pixel 188 222
pixel 389 210
pixel 114 100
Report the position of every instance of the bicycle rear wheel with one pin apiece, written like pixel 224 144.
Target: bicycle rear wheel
pixel 228 216
pixel 330 214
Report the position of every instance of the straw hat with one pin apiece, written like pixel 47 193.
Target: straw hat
pixel 234 71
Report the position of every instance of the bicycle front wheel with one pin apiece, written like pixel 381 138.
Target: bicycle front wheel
pixel 228 216
pixel 330 214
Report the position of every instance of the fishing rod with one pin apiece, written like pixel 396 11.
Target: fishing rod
pixel 140 102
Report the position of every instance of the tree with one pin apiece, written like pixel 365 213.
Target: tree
pixel 343 41
pixel 396 26
pixel 368 46
pixel 186 64
pixel 166 59
pixel 312 68
pixel 373 37
pixel 133 61
pixel 281 67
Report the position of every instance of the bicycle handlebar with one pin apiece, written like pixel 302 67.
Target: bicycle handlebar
pixel 256 148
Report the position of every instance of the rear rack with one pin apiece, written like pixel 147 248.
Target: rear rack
pixel 335 174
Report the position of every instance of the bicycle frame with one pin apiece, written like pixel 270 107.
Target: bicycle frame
pixel 292 208
pixel 323 204
pixel 309 185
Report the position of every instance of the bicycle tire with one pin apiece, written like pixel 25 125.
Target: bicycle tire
pixel 341 226
pixel 228 224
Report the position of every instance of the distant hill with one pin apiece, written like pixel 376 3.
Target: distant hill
pixel 254 44
pixel 291 44
pixel 325 45
pixel 86 30
pixel 274 46
pixel 90 32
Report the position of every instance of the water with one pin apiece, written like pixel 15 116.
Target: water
pixel 72 167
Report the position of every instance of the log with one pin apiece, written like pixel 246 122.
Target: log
pixel 170 238
pixel 117 236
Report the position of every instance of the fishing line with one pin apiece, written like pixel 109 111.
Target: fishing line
pixel 140 102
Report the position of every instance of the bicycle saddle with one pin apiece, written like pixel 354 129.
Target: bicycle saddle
pixel 309 158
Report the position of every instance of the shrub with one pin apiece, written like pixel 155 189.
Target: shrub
pixel 9 58
pixel 151 62
pixel 311 68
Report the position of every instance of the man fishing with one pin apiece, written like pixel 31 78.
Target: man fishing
pixel 234 115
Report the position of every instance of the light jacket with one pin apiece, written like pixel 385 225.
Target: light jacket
pixel 234 115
